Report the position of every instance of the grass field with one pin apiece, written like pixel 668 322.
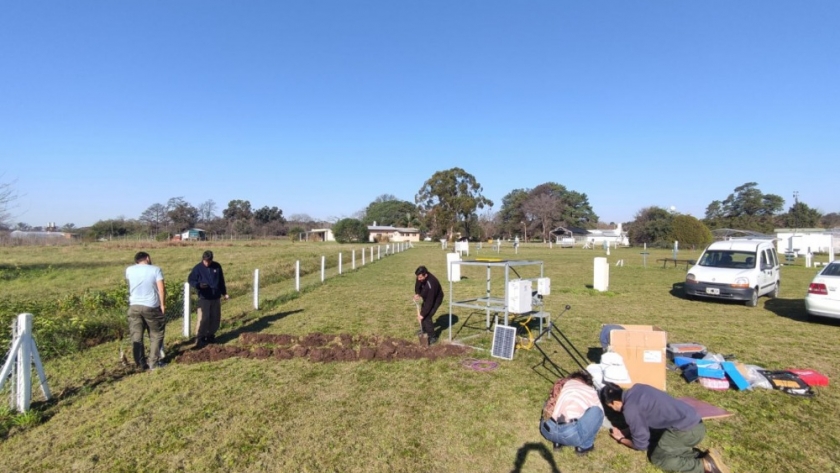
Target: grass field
pixel 403 416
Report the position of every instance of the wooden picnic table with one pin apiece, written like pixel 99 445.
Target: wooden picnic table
pixel 687 262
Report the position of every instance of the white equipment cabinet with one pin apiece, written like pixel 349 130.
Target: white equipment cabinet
pixel 519 296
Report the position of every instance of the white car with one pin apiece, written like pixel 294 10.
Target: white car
pixel 823 298
pixel 739 269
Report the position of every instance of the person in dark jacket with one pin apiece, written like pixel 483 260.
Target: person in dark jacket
pixel 427 287
pixel 646 408
pixel 209 281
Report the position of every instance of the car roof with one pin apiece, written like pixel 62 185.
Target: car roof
pixel 739 245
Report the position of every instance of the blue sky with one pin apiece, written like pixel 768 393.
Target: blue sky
pixel 318 107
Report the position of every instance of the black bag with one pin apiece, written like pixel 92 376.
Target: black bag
pixel 788 382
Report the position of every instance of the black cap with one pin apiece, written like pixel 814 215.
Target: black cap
pixel 421 270
pixel 207 256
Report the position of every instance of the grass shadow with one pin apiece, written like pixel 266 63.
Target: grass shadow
pixel 239 327
pixel 593 354
pixel 794 309
pixel 442 322
pixel 678 290
pixel 256 325
pixel 524 450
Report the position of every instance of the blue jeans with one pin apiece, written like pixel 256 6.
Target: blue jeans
pixel 577 433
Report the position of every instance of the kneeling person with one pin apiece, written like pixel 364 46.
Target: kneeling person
pixel 573 413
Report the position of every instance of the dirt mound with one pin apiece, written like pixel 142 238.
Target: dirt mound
pixel 321 348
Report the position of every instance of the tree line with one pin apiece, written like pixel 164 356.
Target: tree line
pixel 448 205
pixel 746 208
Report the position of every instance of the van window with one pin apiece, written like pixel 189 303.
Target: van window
pixel 763 259
pixel 728 259
pixel 774 257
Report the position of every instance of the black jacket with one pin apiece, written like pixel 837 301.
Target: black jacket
pixel 209 281
pixel 432 295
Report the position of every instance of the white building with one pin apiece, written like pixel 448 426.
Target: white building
pixel 802 240
pixel 320 234
pixel 389 233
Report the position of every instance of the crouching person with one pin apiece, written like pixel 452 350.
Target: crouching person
pixel 573 413
pixel 646 408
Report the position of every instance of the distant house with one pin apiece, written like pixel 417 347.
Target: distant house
pixel 389 233
pixel 320 234
pixel 802 240
pixel 192 234
pixel 615 236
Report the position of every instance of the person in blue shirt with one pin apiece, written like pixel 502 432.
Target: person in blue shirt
pixel 146 306
pixel 208 279
pixel 646 408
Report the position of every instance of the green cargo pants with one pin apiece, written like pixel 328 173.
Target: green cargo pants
pixel 675 450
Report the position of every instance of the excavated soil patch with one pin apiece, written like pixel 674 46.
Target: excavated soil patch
pixel 322 348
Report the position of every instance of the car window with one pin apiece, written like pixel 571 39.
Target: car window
pixel 728 259
pixel 774 257
pixel 832 269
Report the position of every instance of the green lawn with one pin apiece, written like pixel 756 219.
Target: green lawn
pixel 404 416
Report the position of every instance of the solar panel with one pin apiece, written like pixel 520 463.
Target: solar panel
pixel 504 342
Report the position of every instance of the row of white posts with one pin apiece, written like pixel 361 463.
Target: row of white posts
pixel 23 353
pixel 389 249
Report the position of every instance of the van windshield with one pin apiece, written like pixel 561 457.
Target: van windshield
pixel 728 259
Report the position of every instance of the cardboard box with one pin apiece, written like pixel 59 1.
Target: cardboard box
pixel 643 350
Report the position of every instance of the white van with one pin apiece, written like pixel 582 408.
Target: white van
pixel 740 269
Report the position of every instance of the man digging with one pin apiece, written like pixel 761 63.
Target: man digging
pixel 427 287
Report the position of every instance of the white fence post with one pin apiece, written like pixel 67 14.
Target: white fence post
pixel 23 354
pixel 354 260
pixel 601 276
pixel 371 254
pixel 186 331
pixel 364 252
pixel 339 264
pixel 297 275
pixel 256 289
pixel 379 252
pixel 322 268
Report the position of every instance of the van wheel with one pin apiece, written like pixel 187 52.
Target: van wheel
pixel 753 301
pixel 774 294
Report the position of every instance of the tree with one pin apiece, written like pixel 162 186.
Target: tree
pixel 268 214
pixel 114 227
pixel 652 226
pixel 488 222
pixel 183 215
pixel 295 233
pixel 511 215
pixel 7 197
pixel 207 211
pixel 546 206
pixel 399 213
pixel 690 231
pixel 156 216
pixel 745 209
pixel 237 210
pixel 830 220
pixel 799 215
pixel 544 209
pixel 453 196
pixel 68 227
pixel 348 230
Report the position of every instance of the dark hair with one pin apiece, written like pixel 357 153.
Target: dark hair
pixel 207 256
pixel 421 270
pixel 582 376
pixel 140 256
pixel 611 392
